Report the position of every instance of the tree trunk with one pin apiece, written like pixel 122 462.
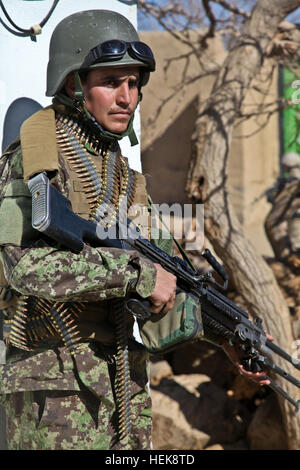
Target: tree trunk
pixel 207 183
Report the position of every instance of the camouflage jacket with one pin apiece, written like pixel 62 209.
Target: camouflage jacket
pixel 35 266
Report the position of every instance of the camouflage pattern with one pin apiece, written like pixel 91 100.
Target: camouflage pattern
pixel 38 387
pixel 166 331
pixel 76 408
pixel 93 275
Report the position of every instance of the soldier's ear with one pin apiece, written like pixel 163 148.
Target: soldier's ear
pixel 70 85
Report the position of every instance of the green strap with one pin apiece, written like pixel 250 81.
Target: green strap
pixel 78 92
pixel 183 253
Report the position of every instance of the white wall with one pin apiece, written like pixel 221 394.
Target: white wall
pixel 24 62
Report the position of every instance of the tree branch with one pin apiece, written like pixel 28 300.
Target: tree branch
pixel 234 9
pixel 212 27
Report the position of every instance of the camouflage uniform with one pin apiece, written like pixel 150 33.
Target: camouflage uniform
pixel 69 336
pixel 54 399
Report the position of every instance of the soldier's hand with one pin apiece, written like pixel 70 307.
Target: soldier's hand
pixel 163 296
pixel 233 353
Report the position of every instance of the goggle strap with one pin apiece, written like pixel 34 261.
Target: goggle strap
pixel 78 92
pixel 132 135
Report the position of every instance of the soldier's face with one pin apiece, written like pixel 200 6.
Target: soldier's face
pixel 111 96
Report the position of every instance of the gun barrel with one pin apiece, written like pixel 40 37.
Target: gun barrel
pixel 277 350
pixel 279 390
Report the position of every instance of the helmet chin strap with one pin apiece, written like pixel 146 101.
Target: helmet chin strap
pixel 79 100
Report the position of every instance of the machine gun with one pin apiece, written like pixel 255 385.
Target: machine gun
pixel 52 214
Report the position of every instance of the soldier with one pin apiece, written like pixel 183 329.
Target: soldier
pixel 69 338
pixel 282 222
pixel 291 164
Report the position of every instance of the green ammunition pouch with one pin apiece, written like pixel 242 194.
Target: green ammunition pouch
pixel 16 206
pixel 7 295
pixel 180 325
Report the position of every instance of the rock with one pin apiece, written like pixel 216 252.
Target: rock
pixel 239 445
pixel 159 370
pixel 171 430
pixel 243 389
pixel 191 411
pixel 205 358
pixel 215 447
pixel 266 430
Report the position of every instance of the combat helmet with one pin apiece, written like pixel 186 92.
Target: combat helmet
pixel 90 39
pixel 77 39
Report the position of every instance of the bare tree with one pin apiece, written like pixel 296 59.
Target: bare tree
pixel 252 37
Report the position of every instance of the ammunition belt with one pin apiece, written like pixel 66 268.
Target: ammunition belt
pixel 39 322
pixel 115 184
pixel 115 187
